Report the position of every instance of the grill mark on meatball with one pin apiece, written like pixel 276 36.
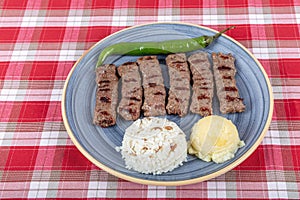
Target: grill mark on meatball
pixel 104 81
pixel 231 89
pixel 105 99
pixel 203 96
pixel 181 88
pixel 104 89
pixel 130 80
pixel 224 68
pixel 134 98
pixel 152 84
pixel 227 77
pixel 159 93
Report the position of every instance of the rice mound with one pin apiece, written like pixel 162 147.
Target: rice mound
pixel 153 146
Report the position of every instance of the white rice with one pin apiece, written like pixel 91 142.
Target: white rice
pixel 153 146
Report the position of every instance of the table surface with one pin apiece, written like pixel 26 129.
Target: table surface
pixel 41 40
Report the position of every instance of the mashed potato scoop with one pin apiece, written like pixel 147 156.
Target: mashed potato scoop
pixel 214 138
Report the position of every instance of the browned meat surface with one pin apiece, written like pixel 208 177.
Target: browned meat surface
pixel 132 94
pixel 179 93
pixel 153 85
pixel 227 91
pixel 203 85
pixel 106 96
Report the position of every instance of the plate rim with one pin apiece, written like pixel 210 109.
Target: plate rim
pixel 167 183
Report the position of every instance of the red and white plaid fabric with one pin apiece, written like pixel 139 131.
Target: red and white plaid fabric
pixel 40 40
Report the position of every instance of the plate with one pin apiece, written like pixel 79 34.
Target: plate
pixel 98 144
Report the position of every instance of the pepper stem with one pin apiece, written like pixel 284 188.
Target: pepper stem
pixel 223 31
pixel 209 39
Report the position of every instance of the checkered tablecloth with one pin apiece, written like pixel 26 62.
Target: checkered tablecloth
pixel 40 40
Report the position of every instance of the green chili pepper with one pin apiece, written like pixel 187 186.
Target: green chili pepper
pixel 164 47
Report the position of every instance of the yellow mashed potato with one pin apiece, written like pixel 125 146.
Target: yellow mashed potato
pixel 214 138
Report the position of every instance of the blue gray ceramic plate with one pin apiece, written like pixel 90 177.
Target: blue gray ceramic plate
pixel 98 144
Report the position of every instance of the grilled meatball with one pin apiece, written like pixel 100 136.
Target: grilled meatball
pixel 132 94
pixel 106 96
pixel 227 91
pixel 203 84
pixel 179 93
pixel 153 85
